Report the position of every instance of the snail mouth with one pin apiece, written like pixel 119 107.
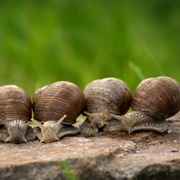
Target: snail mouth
pixel 48 135
pixel 97 123
pixel 17 139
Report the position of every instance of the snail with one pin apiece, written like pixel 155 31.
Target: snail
pixel 105 97
pixel 15 115
pixel 56 108
pixel 155 100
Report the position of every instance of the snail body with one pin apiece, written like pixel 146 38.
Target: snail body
pixel 104 97
pixel 15 115
pixel 155 100
pixel 56 108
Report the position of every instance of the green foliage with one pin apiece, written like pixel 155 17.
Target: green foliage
pixel 75 40
pixel 67 171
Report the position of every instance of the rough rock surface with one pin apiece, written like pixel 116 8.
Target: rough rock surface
pixel 142 155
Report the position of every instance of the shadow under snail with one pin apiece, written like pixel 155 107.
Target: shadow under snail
pixel 15 115
pixel 155 100
pixel 56 108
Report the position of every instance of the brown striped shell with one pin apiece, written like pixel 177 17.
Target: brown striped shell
pixel 15 103
pixel 158 97
pixel 109 93
pixel 15 115
pixel 56 100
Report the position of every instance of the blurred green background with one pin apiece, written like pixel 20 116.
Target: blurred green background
pixel 42 41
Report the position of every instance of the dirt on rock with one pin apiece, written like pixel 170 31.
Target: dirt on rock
pixel 141 155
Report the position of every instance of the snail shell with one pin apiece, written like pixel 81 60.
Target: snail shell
pixel 158 97
pixel 104 97
pixel 155 99
pixel 57 106
pixel 15 114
